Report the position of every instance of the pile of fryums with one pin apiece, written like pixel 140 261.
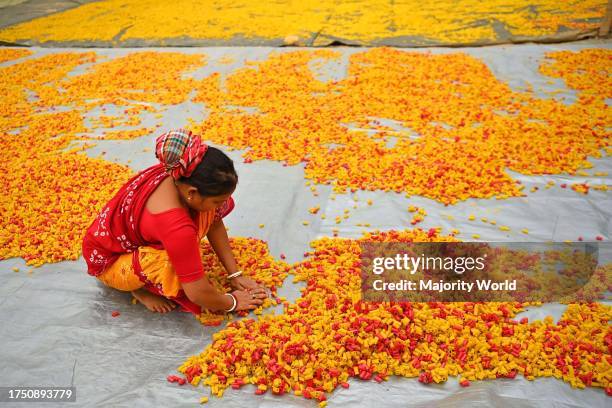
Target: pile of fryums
pixel 52 192
pixel 329 335
pixel 254 259
pixel 297 118
pixel 464 127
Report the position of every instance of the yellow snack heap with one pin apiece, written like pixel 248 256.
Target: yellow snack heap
pixel 443 21
pixel 255 261
pixel 329 335
pixel 487 126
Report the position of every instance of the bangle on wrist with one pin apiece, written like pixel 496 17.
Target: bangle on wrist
pixel 231 309
pixel 234 275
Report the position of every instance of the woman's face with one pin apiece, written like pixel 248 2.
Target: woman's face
pixel 197 202
pixel 201 203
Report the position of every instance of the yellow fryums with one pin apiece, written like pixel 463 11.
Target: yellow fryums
pixel 445 21
pixel 330 334
pixel 588 71
pixel 53 191
pixel 7 54
pixel 448 166
pixel 420 90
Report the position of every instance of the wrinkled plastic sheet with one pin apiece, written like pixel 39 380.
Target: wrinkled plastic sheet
pixel 56 326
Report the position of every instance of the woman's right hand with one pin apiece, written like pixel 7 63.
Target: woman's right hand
pixel 248 300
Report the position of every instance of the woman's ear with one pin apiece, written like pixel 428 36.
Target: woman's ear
pixel 191 193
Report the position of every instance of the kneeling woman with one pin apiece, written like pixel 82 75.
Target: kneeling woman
pixel 146 240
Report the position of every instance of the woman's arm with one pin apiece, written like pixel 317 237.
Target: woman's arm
pixel 203 293
pixel 178 235
pixel 217 236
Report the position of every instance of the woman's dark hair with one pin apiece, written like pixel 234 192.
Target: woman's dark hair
pixel 215 175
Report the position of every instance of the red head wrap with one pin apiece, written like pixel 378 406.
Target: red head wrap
pixel 180 152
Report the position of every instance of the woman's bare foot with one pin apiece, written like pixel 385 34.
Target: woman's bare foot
pixel 153 302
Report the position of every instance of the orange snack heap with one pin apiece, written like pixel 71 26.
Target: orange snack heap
pixel 468 125
pixel 329 335
pixel 51 193
pixel 255 261
pixel 8 54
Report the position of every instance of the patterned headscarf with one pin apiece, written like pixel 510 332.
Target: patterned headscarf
pixel 180 152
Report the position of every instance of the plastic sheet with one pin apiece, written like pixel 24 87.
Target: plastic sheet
pixel 57 328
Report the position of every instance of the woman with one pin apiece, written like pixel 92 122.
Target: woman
pixel 146 240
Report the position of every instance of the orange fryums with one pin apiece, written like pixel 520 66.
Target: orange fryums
pixel 254 259
pixel 134 81
pixel 127 134
pixel 38 77
pixel 299 116
pixel 361 21
pixel 50 196
pixel 51 192
pixel 581 188
pixel 419 215
pixel 148 76
pixel 132 119
pixel 588 71
pixel 601 187
pixel 488 127
pixel 287 76
pixel 106 121
pixel 329 335
pixel 8 54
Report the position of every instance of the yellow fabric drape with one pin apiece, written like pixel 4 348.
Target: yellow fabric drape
pixel 120 275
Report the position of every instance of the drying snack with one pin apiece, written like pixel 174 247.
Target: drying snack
pixel 460 127
pixel 329 335
pixel 8 54
pixel 356 22
pixel 254 259
pixel 53 192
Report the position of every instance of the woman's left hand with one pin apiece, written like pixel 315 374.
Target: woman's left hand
pixel 244 283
